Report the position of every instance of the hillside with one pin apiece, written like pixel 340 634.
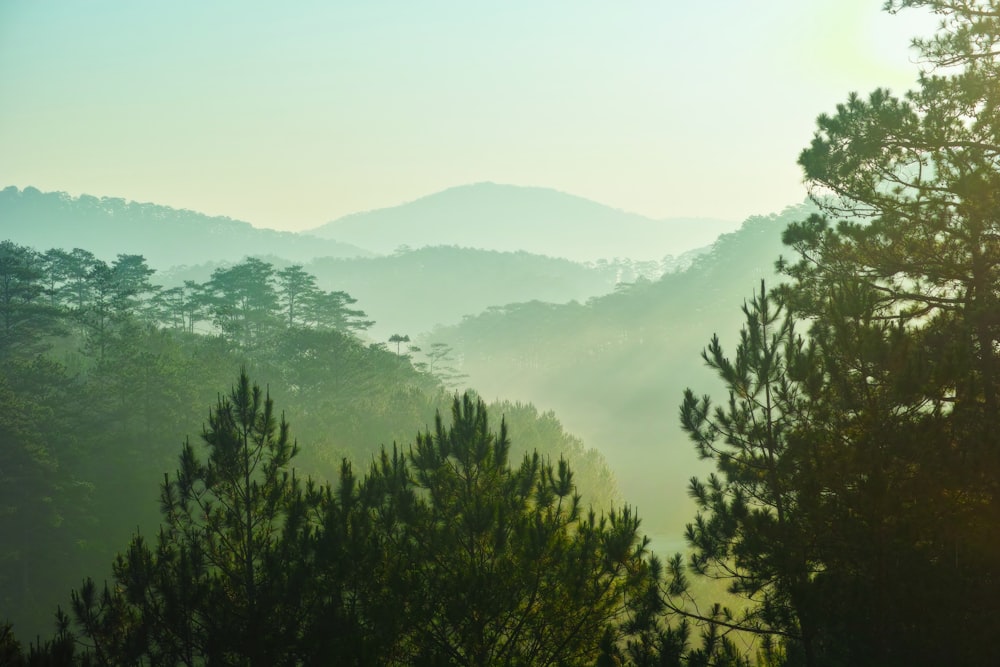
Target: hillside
pixel 99 394
pixel 614 369
pixel 164 235
pixel 415 290
pixel 512 218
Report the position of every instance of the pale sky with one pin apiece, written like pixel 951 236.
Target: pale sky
pixel 289 115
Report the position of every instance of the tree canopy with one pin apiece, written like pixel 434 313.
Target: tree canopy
pixel 858 461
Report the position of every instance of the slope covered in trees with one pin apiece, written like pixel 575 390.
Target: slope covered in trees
pixel 104 373
pixel 607 366
pixel 446 554
pixel 414 290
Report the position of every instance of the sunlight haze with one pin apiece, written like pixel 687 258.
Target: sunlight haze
pixel 289 118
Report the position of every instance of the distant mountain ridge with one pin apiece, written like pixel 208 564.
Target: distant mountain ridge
pixel 510 218
pixel 165 236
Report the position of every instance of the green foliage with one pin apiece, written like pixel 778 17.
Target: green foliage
pixel 451 555
pixel 447 555
pixel 85 437
pixel 858 467
pixel 25 316
pixel 228 523
pixel 505 567
pixel 244 302
pixel 749 530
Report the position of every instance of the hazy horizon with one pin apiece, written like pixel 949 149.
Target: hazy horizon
pixel 291 119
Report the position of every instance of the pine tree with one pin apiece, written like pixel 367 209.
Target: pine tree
pixel 26 318
pixel 218 584
pixel 465 559
pixel 908 190
pixel 296 286
pixel 749 531
pixel 245 302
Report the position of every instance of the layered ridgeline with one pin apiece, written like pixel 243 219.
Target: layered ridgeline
pixel 165 236
pixel 413 291
pixel 409 289
pixel 615 368
pixel 513 218
pixel 103 375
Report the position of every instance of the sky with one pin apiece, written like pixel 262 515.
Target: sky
pixel 288 115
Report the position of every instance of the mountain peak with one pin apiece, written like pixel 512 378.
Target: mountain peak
pixel 505 217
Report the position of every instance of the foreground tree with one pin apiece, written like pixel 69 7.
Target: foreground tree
pixel 911 184
pixel 464 559
pixel 908 187
pixel 750 531
pixel 859 470
pixel 217 586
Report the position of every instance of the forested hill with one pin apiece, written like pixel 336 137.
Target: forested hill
pixel 164 236
pixel 414 290
pixel 614 369
pixel 103 374
pixel 513 218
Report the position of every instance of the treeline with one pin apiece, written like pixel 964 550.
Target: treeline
pixel 447 553
pixel 246 303
pixel 103 373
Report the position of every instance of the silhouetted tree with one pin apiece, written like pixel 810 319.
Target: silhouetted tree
pixel 215 587
pixel 244 301
pixel 749 531
pixel 25 316
pixel 399 340
pixel 908 191
pixel 471 561
pixel 295 286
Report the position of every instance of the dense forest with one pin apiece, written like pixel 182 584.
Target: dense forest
pixel 847 505
pixel 96 353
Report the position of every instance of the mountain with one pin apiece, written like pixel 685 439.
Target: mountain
pixel 413 291
pixel 165 236
pixel 511 218
pixel 614 368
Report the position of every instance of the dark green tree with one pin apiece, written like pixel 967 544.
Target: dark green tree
pixel 44 491
pixel 750 531
pixel 245 302
pixel 216 586
pixel 26 317
pixel 478 562
pixel 908 235
pixel 399 339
